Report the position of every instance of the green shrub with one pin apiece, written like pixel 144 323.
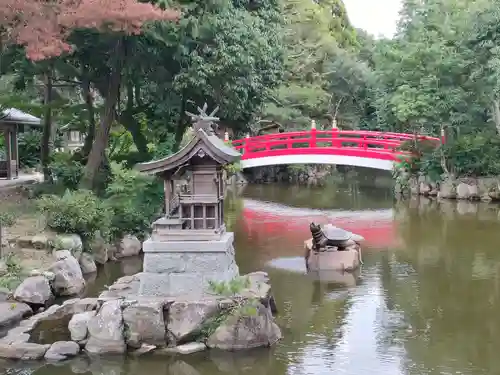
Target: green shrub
pixel 66 171
pixel 7 219
pixel 47 188
pixel 79 212
pixel 474 155
pixel 134 199
pixel 13 277
pixel 30 144
pixel 468 155
pixel 163 149
pixel 229 288
pixel 129 159
pixel 232 168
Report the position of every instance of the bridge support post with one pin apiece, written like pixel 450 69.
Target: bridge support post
pixel 335 135
pixel 312 140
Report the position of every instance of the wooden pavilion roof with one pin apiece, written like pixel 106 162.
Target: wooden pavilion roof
pixel 13 116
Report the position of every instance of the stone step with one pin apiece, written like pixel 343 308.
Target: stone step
pixel 37 242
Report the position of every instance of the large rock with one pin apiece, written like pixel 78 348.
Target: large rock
pixel 448 189
pixel 189 348
pixel 62 254
pixel 23 350
pixel 77 305
pixel 462 191
pixel 41 241
pixel 100 249
pixel 54 312
pixel 144 349
pixel 467 190
pixel 87 264
pixel 129 246
pixel 185 319
pixel 424 188
pixel 145 323
pixel 71 242
pixel 106 330
pixel 348 260
pixel 68 275
pixel 246 331
pixel 126 287
pixel 34 290
pixel 414 186
pixel 61 350
pixel 13 312
pixel 259 287
pixel 78 325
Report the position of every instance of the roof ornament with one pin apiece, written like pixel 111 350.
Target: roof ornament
pixel 204 121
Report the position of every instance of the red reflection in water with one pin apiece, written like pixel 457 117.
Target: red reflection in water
pixel 377 227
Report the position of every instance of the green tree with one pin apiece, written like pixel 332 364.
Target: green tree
pixel 317 35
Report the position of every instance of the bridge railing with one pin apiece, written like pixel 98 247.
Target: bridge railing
pixel 334 139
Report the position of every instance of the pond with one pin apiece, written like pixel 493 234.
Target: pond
pixel 427 300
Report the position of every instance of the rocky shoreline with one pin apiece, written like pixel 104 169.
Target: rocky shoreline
pixel 120 322
pixel 486 189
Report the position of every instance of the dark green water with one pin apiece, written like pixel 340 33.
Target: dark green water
pixel 427 300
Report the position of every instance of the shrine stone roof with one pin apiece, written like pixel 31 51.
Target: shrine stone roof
pixel 202 145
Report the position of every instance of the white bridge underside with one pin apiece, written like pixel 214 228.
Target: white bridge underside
pixel 354 161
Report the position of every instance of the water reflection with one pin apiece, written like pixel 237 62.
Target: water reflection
pixel 426 303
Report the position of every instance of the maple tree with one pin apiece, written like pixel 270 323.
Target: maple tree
pixel 44 26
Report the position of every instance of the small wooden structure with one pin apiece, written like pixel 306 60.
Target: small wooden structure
pixel 189 246
pixel 193 185
pixel 13 121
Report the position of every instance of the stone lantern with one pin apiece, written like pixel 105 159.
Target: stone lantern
pixel 190 246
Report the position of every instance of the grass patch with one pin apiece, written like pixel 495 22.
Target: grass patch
pixel 13 276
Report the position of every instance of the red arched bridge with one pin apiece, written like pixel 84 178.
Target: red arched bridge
pixel 359 148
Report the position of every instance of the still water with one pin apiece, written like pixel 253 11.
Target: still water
pixel 427 300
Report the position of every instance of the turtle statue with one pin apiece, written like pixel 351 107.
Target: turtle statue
pixel 329 236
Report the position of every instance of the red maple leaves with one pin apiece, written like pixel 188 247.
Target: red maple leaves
pixel 43 26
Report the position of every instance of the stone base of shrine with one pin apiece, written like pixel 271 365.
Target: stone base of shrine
pixel 185 268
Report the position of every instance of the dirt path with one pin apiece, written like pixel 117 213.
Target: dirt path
pixel 28 224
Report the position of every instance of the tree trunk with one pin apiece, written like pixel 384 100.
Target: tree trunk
pixel 140 141
pixel 97 153
pixel 181 127
pixel 132 125
pixel 89 103
pixel 496 114
pixel 47 137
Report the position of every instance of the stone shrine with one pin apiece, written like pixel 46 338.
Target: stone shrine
pixel 190 246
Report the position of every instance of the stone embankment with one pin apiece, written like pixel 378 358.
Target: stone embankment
pixel 485 189
pixel 61 277
pixel 119 322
